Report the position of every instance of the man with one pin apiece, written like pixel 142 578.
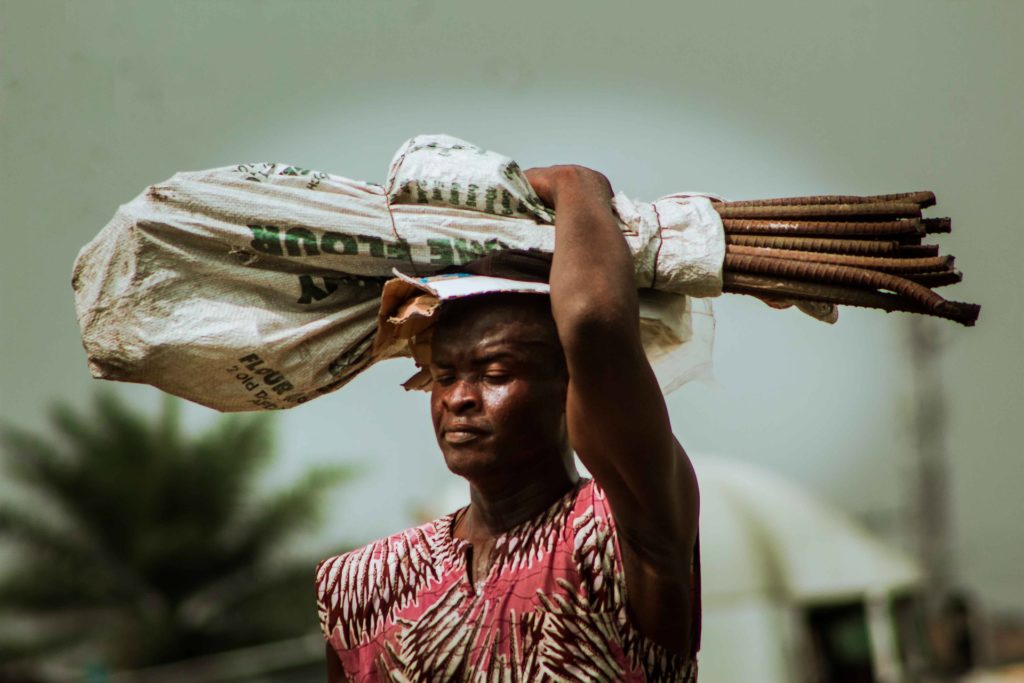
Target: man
pixel 543 576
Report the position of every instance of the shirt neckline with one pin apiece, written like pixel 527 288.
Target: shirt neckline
pixel 454 549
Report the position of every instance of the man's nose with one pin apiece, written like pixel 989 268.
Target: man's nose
pixel 463 396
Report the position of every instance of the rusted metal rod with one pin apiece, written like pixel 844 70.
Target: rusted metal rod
pixel 833 211
pixel 832 274
pixel 923 198
pixel 787 288
pixel 939 278
pixel 920 295
pixel 820 244
pixel 841 249
pixel 889 265
pixel 740 226
pixel 937 225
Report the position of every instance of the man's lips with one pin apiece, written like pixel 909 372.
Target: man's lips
pixel 462 433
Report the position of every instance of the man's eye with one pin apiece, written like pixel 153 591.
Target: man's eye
pixel 443 378
pixel 496 377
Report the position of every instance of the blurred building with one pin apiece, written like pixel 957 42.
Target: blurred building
pixel 795 589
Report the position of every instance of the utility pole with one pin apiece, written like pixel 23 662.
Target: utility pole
pixel 929 486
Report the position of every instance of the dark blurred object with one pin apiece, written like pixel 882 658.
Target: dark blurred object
pixel 1006 637
pixel 138 545
pixel 953 634
pixel 841 644
pixel 959 619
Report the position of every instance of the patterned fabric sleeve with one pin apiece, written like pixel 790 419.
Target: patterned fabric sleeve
pixel 358 591
pixel 323 598
pixel 599 560
pixel 346 587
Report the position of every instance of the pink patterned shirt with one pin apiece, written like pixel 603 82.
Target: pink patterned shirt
pixel 551 608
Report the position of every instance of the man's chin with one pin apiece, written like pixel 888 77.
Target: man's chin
pixel 470 462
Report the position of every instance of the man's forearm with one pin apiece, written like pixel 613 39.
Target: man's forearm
pixel 592 282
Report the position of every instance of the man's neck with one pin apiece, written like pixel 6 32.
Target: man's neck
pixel 495 509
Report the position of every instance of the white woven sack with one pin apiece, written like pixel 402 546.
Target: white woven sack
pixel 256 287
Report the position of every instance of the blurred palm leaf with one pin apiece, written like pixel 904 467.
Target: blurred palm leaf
pixel 142 545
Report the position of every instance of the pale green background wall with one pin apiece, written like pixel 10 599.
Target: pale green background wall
pixel 100 98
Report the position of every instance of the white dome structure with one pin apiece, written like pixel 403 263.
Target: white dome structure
pixel 762 533
pixel 770 552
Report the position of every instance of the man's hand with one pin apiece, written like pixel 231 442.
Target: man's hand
pixel 549 180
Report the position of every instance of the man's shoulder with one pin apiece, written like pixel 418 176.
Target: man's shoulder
pixel 403 550
pixel 358 590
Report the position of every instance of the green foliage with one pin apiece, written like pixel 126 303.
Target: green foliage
pixel 141 545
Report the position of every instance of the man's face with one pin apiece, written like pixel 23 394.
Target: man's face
pixel 499 386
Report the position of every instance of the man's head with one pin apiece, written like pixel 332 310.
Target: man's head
pixel 499 385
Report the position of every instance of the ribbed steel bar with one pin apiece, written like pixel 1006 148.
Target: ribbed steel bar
pixel 832 211
pixel 787 288
pixel 821 244
pixel 853 277
pixel 922 198
pixel 888 265
pixel 937 225
pixel 741 226
pixel 766 285
pixel 939 278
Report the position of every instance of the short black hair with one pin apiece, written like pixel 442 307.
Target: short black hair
pixel 457 309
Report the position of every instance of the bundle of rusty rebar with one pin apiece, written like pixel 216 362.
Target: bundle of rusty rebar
pixel 839 249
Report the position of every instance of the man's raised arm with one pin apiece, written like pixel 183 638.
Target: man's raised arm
pixel 617 420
